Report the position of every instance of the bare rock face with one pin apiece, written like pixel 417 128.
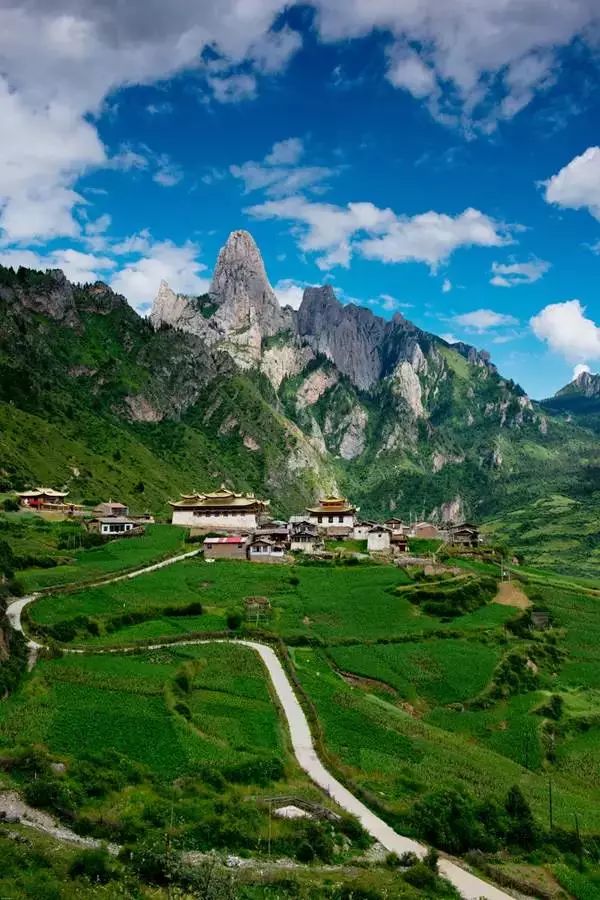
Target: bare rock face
pixel 314 386
pixel 283 360
pixel 349 433
pixel 406 384
pixel 240 309
pixel 350 336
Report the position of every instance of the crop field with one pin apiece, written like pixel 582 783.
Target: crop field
pixel 331 603
pixel 396 756
pixel 78 705
pixel 158 542
pixel 434 671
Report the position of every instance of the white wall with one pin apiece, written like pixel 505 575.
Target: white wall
pixel 378 541
pixel 347 519
pixel 238 522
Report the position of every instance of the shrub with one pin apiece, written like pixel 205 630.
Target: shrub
pixel 95 865
pixel 10 505
pixel 420 876
pixel 234 621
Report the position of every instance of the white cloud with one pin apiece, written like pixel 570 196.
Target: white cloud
pixel 449 338
pixel 285 153
pixel 60 61
pixel 579 369
pixel 337 232
pixel 577 185
pixel 481 61
pixel 481 320
pixel 513 274
pixel 407 70
pixel 233 88
pixel 289 292
pixel 78 267
pixel 279 174
pixel 139 280
pixel 168 173
pixel 446 286
pixel 567 331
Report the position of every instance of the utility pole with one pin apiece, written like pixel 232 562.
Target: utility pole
pixel 579 844
pixel 270 815
pixel 550 815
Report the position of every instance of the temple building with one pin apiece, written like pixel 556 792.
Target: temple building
pixel 221 510
pixel 333 515
pixel 43 498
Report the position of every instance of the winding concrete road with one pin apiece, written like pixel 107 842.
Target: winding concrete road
pixel 470 886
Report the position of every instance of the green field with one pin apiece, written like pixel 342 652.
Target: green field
pixel 396 756
pixel 79 566
pixel 433 671
pixel 329 603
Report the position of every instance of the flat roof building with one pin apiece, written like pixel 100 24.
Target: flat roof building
pixel 221 510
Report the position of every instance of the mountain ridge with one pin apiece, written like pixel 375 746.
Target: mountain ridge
pixel 214 389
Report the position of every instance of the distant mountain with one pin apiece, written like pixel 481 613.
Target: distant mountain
pixel 231 387
pixel 578 401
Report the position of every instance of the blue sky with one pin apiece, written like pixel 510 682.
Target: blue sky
pixel 433 162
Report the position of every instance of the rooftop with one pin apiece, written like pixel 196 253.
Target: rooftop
pixel 230 539
pixel 221 498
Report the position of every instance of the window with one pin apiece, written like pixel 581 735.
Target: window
pixel 320 520
pixel 340 519
pixel 330 520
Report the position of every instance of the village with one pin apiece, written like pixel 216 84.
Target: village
pixel 232 525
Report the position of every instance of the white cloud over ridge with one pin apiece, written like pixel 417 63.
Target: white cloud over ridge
pixel 567 331
pixel 337 232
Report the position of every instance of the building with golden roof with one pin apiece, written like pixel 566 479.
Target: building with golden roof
pixel 221 510
pixel 333 515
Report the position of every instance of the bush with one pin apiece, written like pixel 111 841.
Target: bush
pixel 95 865
pixel 420 876
pixel 10 505
pixel 234 621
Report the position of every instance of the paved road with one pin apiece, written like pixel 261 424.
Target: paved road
pixel 470 886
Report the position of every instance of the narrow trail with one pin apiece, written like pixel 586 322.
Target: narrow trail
pixel 470 886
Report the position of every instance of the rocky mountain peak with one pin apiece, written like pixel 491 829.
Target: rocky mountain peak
pixel 586 384
pixel 240 285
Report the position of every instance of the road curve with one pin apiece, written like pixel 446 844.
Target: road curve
pixel 470 886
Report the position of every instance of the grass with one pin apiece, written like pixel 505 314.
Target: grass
pixel 330 603
pixel 80 705
pixel 158 542
pixel 434 671
pixel 397 757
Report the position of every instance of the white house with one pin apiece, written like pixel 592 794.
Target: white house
pixel 221 510
pixel 360 532
pixel 264 550
pixel 115 525
pixel 379 538
pixel 333 515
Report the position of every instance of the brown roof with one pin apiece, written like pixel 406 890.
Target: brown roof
pixel 221 499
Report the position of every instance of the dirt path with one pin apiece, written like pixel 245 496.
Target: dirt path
pixel 13 809
pixel 511 594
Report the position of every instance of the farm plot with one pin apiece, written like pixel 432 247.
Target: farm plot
pixel 158 542
pixel 333 604
pixel 84 705
pixel 438 672
pixel 397 757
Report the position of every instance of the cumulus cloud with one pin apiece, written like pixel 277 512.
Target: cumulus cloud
pixel 280 174
pixel 446 286
pixel 60 60
pixel 78 267
pixel 289 292
pixel 567 331
pixel 336 232
pixel 156 261
pixel 481 320
pixel 513 274
pixel 483 60
pixel 577 185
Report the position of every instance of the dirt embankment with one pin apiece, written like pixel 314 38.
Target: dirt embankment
pixel 510 594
